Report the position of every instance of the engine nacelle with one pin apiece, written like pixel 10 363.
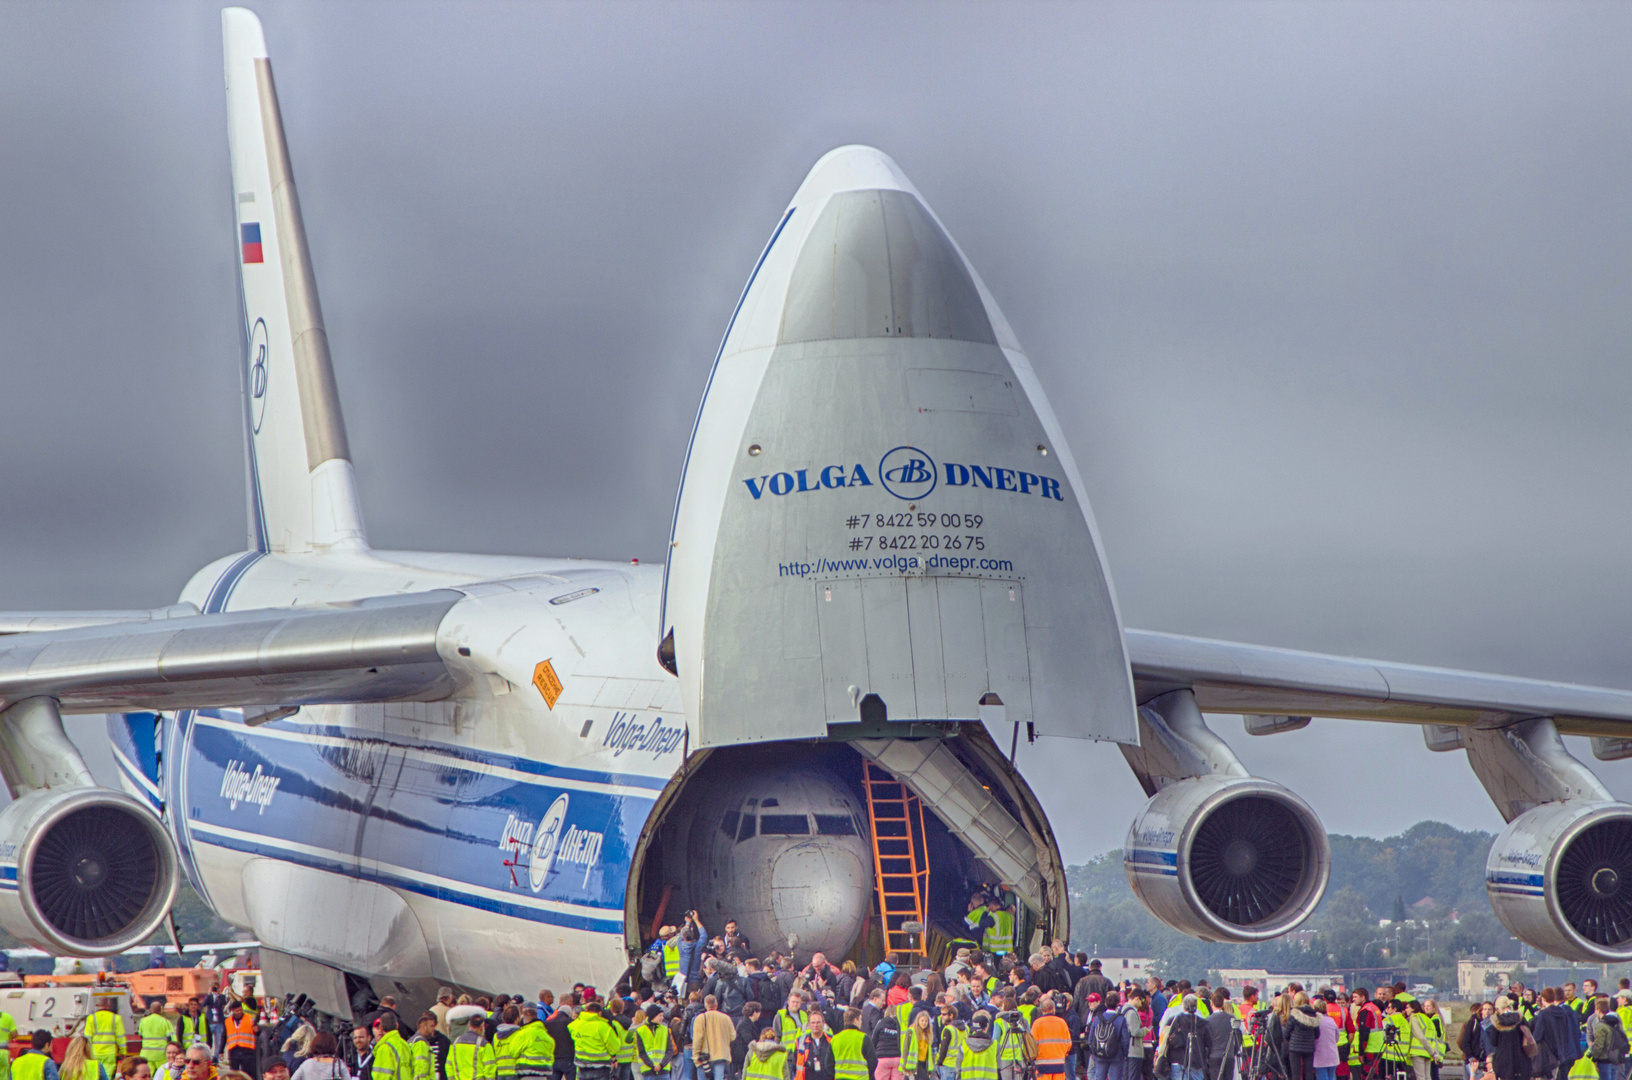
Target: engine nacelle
pixel 1233 859
pixel 84 871
pixel 1560 878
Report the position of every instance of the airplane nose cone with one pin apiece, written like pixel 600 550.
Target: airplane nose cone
pixel 851 168
pixel 819 892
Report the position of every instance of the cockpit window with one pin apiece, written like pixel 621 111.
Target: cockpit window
pixel 835 825
pixel 784 825
pixel 770 802
pixel 746 830
pixel 728 824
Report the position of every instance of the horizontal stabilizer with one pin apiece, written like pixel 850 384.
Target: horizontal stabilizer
pixel 379 649
pixel 1229 677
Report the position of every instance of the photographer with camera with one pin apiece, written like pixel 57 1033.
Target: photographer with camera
pixel 689 955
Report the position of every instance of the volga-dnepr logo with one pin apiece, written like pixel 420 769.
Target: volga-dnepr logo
pixel 909 474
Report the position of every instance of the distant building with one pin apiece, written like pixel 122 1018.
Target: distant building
pixel 1119 964
pixel 1482 978
pixel 1233 979
pixel 1268 982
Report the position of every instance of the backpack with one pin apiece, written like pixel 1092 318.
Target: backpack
pixel 651 967
pixel 766 992
pixel 1618 1044
pixel 1102 1037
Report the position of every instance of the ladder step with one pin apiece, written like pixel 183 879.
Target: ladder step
pixel 900 874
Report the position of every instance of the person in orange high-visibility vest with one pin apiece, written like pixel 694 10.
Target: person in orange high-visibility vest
pixel 240 1039
pixel 1053 1039
pixel 812 1057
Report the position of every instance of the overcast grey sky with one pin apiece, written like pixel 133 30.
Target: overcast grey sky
pixel 1332 300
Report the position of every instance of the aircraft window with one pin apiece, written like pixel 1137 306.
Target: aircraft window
pixel 728 824
pixel 770 802
pixel 784 825
pixel 746 832
pixel 835 825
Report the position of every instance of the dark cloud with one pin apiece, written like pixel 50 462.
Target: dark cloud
pixel 1331 299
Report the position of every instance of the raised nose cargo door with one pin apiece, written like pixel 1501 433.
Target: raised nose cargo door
pixel 877 501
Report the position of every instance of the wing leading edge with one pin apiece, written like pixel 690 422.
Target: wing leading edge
pixel 1229 677
pixel 378 649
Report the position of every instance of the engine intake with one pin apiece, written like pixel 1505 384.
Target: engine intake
pixel 87 871
pixel 1234 859
pixel 1560 878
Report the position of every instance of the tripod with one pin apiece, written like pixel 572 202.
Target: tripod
pixel 1382 1066
pixel 1264 1059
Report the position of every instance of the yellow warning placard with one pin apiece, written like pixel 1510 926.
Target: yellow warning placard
pixel 548 683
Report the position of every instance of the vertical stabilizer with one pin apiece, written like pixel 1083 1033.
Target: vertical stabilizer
pixel 302 489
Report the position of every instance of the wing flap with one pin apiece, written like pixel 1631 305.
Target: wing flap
pixel 1233 677
pixel 380 649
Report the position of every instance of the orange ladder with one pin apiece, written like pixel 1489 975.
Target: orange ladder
pixel 900 868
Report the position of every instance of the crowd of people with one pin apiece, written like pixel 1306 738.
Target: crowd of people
pixel 1555 1033
pixel 697 1007
pixel 701 1007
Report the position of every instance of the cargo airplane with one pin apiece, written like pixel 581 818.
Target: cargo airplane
pixel 400 769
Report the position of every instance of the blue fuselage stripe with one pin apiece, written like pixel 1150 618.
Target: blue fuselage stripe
pixel 493 832
pixel 475 756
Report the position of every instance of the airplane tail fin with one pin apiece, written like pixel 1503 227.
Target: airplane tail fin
pixel 302 489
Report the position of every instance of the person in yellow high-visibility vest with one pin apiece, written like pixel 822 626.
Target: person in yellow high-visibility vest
pixel 978 1051
pixel 470 1057
pixel 767 1057
pixel 536 1057
pixel 105 1030
pixel 595 1043
pixel 655 1049
pixel 422 1048
pixel 8 1032
pixel 156 1033
pixel 996 925
pixel 852 1051
pixel 393 1060
pixel 1396 1051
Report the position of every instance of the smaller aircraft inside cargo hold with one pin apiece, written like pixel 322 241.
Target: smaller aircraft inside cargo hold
pixel 503 765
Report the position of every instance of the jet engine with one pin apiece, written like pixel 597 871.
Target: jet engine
pixel 1228 858
pixel 84 871
pixel 1560 878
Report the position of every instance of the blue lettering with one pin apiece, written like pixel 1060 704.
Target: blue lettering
pixel 781 484
pixel 1051 489
pixel 1027 482
pixel 956 475
pixel 804 482
pixel 833 476
pixel 757 489
pixel 980 475
pixel 1005 479
pixel 858 477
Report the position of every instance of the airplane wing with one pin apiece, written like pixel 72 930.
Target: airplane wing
pixel 31 622
pixel 378 649
pixel 1229 677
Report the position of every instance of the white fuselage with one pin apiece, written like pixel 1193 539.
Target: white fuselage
pixel 482 840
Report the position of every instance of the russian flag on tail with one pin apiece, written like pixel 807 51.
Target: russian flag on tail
pixel 250 235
